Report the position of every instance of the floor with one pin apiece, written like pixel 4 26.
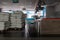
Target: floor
pixel 16 35
pixel 19 35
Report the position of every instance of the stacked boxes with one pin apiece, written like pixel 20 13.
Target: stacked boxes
pixel 4 16
pixel 1 26
pixel 50 26
pixel 16 20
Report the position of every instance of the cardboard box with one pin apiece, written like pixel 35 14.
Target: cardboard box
pixel 50 26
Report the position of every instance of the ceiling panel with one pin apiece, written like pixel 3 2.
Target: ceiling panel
pixel 51 1
pixel 28 4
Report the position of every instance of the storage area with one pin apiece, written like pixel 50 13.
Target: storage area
pixel 21 18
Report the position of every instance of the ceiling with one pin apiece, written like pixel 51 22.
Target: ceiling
pixel 28 4
pixel 51 1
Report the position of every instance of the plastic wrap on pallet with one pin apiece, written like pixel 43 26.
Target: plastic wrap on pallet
pixel 16 19
pixel 1 26
pixel 4 16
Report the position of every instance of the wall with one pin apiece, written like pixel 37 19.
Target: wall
pixel 57 7
pixel 53 11
pixel 57 10
pixel 50 11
